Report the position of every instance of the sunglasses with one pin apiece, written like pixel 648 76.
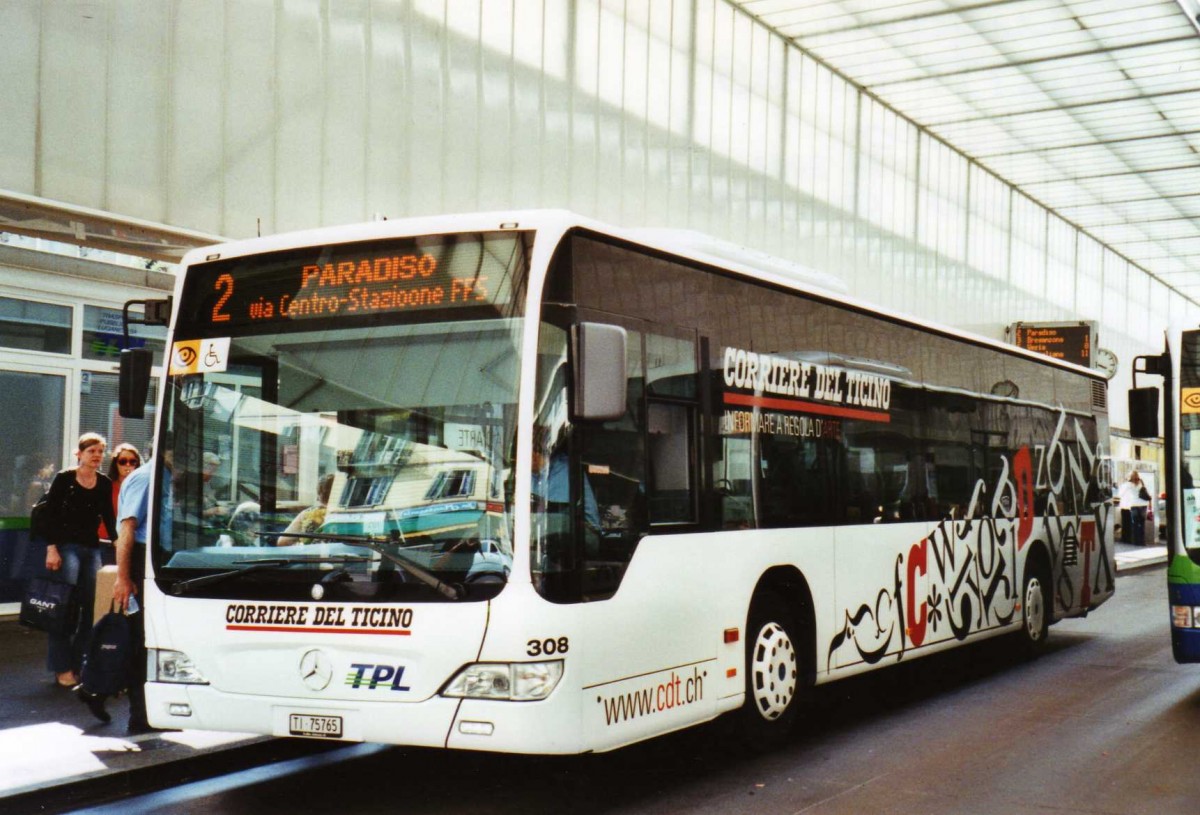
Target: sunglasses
pixel 127 461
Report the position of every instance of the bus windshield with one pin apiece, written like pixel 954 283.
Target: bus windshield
pixel 1189 442
pixel 355 458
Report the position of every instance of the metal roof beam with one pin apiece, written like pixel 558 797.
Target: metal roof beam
pixel 1082 145
pixel 1092 52
pixel 1116 201
pixel 1120 100
pixel 1140 221
pixel 1076 178
pixel 1192 238
pixel 1171 257
pixel 1191 10
pixel 997 24
pixel 928 15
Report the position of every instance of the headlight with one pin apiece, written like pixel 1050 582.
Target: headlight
pixel 1181 616
pixel 172 666
pixel 509 681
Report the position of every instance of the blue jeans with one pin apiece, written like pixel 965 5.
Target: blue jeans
pixel 79 567
pixel 1137 520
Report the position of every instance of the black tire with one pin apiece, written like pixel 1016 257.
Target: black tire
pixel 1035 609
pixel 775 675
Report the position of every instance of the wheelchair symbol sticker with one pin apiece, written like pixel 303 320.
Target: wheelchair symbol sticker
pixel 200 356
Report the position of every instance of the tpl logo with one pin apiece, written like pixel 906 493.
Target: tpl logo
pixel 380 676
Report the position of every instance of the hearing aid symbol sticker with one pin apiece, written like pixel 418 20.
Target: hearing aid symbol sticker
pixel 1189 400
pixel 200 356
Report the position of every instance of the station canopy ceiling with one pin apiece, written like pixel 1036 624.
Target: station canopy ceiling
pixel 1091 107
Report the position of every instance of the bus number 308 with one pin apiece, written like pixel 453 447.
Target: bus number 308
pixel 548 647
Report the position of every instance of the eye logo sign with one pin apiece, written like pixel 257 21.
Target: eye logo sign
pixel 1189 400
pixel 185 355
pixel 200 356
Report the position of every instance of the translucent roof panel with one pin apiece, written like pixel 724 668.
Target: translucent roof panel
pixel 1091 107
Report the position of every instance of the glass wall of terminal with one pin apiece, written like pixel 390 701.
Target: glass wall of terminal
pixel 60 341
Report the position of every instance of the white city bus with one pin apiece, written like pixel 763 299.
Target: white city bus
pixel 588 486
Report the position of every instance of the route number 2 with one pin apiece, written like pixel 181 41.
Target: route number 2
pixel 224 281
pixel 548 647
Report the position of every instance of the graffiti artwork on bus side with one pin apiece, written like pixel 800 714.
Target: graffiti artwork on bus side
pixel 962 576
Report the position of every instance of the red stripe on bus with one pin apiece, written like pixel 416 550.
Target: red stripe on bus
pixel 798 406
pixel 399 632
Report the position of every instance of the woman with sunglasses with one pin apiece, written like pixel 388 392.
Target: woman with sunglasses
pixel 125 459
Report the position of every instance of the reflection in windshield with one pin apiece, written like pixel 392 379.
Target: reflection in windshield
pixel 400 433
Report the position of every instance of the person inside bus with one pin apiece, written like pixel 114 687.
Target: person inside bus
pixel 212 508
pixel 1134 497
pixel 309 520
pixel 552 482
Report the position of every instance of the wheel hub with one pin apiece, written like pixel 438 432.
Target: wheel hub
pixel 773 671
pixel 1034 610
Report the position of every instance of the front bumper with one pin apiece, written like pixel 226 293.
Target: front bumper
pixel 466 724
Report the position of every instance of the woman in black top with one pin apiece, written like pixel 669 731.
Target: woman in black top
pixel 80 498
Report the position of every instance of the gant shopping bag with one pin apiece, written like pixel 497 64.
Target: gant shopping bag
pixel 49 605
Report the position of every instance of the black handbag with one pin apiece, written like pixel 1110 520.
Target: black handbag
pixel 1143 494
pixel 50 605
pixel 106 662
pixel 39 519
pixel 45 516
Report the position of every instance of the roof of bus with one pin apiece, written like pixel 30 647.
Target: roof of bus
pixel 688 244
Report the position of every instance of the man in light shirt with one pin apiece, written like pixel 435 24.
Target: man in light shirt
pixel 132 508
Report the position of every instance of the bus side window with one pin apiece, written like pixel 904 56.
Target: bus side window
pixel 732 484
pixel 672 373
pixel 672 495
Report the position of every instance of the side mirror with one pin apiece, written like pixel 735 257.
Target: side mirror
pixel 598 356
pixel 1143 413
pixel 133 386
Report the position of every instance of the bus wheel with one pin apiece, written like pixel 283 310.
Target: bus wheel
pixel 773 674
pixel 1035 610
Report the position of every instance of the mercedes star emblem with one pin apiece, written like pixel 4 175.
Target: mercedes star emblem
pixel 315 670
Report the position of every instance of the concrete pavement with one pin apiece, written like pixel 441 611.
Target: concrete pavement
pixel 55 756
pixel 1139 557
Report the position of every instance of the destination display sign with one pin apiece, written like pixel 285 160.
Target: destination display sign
pixel 358 280
pixel 1071 342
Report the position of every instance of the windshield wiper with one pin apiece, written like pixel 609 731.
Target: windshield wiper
pixel 451 591
pixel 182 587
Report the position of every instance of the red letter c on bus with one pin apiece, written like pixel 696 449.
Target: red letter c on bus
pixel 917 562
